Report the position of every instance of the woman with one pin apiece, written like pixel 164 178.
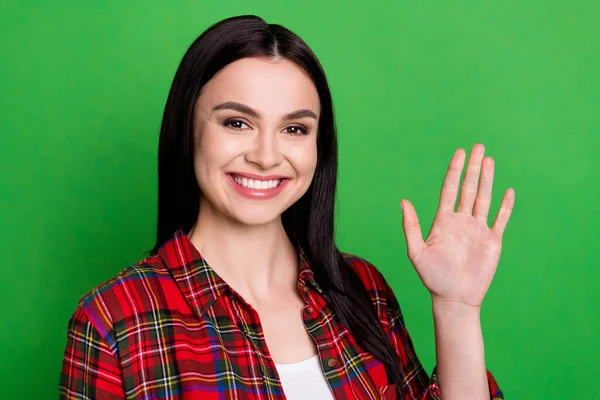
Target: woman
pixel 245 294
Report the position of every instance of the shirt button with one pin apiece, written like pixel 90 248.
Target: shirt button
pixel 331 363
pixel 309 310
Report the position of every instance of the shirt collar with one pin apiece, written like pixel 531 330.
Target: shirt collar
pixel 307 274
pixel 199 283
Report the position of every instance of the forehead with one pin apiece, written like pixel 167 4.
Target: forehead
pixel 271 86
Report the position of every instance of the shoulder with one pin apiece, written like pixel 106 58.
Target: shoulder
pixel 369 275
pixel 132 291
pixel 381 294
pixel 374 282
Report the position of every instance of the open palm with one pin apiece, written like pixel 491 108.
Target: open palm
pixel 459 258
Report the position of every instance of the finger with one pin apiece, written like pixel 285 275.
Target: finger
pixel 506 207
pixel 470 182
pixel 451 181
pixel 481 209
pixel 412 231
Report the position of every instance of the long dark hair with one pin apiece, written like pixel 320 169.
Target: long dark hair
pixel 309 222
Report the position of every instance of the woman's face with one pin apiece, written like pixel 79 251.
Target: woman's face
pixel 255 133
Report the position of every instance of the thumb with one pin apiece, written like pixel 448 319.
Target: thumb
pixel 412 231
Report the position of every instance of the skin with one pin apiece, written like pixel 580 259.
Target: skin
pixel 456 262
pixel 232 229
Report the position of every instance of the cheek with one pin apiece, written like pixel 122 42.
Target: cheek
pixel 213 151
pixel 312 162
pixel 304 159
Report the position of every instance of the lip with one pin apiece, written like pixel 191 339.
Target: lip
pixel 257 194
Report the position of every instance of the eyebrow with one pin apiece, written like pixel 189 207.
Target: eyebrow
pixel 235 106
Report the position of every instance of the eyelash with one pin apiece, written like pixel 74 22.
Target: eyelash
pixel 229 122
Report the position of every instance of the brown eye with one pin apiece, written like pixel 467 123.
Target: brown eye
pixel 296 130
pixel 235 124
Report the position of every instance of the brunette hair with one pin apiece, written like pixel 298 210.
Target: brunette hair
pixel 309 222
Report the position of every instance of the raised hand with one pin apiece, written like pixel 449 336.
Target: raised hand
pixel 459 258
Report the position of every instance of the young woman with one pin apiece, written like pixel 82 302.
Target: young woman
pixel 245 294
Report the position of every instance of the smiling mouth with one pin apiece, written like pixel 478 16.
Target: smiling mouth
pixel 254 183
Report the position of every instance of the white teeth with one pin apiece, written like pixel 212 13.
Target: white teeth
pixel 256 184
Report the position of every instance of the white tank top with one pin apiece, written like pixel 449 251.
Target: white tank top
pixel 304 380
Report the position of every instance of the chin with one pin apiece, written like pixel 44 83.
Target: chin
pixel 258 212
pixel 256 218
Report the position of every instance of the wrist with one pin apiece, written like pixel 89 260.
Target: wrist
pixel 456 324
pixel 454 308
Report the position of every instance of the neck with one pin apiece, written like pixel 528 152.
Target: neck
pixel 253 259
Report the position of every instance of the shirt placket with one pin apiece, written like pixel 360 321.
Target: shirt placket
pixel 332 349
pixel 328 357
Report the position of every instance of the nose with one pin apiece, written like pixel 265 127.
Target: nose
pixel 264 151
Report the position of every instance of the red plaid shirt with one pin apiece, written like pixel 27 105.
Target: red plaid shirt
pixel 169 328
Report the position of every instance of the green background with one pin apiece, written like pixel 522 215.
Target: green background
pixel 82 92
